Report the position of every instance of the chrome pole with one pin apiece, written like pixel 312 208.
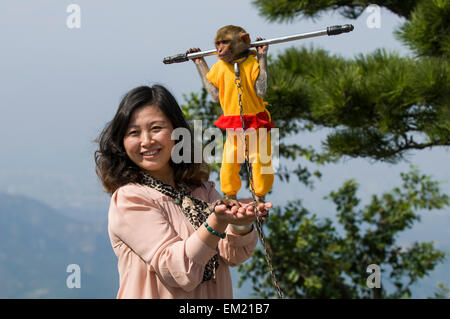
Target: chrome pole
pixel 333 30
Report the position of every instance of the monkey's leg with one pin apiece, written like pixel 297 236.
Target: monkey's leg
pixel 230 182
pixel 261 158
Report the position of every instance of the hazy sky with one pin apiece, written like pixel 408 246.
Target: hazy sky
pixel 60 86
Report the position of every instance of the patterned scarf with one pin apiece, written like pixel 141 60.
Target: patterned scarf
pixel 195 210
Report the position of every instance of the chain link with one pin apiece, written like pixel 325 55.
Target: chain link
pixel 237 81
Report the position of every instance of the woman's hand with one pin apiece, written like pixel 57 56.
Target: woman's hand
pixel 240 212
pixel 249 205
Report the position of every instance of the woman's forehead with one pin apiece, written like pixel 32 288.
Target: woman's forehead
pixel 148 113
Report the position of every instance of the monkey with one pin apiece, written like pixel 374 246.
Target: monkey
pixel 233 46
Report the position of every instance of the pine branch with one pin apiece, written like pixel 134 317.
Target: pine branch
pixel 287 11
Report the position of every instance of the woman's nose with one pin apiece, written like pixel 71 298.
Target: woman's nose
pixel 146 139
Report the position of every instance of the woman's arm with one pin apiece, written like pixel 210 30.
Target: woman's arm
pixel 141 224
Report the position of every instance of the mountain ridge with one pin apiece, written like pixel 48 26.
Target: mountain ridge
pixel 38 243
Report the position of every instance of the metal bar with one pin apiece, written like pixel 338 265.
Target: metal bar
pixel 333 30
pixel 290 38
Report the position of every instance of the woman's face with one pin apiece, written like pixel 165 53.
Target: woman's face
pixel 148 142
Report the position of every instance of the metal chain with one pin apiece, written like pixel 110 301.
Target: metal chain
pixel 237 81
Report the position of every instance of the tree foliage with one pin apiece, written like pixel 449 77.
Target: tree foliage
pixel 288 10
pixel 314 259
pixel 376 106
pixel 427 33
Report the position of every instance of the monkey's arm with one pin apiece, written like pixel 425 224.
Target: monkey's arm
pixel 203 69
pixel 262 80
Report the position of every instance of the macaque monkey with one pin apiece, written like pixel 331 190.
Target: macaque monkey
pixel 233 46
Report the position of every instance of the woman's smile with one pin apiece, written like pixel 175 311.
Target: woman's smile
pixel 149 155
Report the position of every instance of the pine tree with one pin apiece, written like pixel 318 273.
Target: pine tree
pixel 377 106
pixel 314 260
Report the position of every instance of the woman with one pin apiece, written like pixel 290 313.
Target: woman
pixel 170 241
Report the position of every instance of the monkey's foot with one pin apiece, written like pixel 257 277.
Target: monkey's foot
pixel 260 199
pixel 230 201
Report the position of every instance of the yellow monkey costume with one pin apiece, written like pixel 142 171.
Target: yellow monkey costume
pixel 256 116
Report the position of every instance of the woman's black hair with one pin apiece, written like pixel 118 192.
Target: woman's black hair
pixel 113 166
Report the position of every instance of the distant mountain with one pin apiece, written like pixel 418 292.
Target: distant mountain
pixel 37 243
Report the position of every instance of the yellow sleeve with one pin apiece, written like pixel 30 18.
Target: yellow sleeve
pixel 213 75
pixel 254 71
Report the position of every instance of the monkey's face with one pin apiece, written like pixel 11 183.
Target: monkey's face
pixel 232 46
pixel 224 47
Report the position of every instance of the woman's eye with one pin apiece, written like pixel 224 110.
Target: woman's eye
pixel 156 128
pixel 132 133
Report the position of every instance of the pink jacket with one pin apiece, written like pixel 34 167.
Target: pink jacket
pixel 159 254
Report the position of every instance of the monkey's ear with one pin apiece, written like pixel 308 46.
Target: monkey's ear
pixel 245 37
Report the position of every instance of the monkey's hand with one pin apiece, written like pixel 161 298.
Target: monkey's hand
pixel 262 50
pixel 197 60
